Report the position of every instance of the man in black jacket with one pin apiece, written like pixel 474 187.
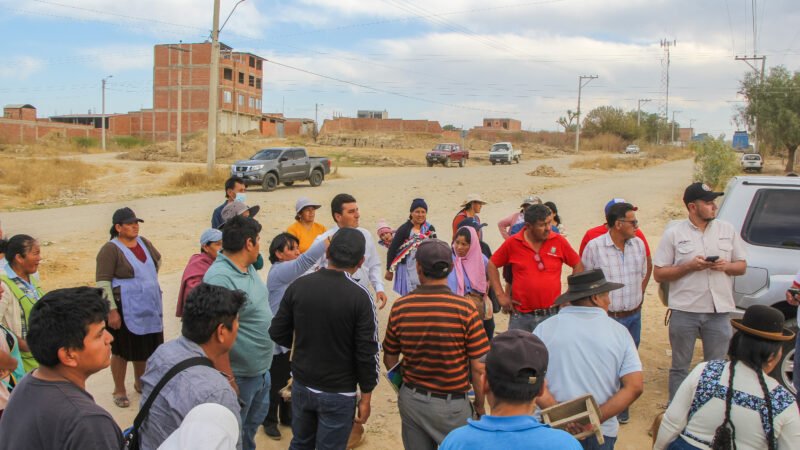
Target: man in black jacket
pixel 332 320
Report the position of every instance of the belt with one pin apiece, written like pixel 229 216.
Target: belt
pixel 543 312
pixel 441 395
pixel 623 314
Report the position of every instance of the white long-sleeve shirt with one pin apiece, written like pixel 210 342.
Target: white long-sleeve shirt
pixel 371 272
pixel 747 420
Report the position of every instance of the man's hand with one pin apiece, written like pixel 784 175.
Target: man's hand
pixel 793 300
pixel 388 276
pixel 480 410
pixel 114 320
pixel 505 301
pixel 575 428
pixel 720 265
pixel 699 263
pixel 380 296
pixel 363 410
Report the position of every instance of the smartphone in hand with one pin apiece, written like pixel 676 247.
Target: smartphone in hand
pixel 712 258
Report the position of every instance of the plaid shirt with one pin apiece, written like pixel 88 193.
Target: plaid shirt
pixel 628 267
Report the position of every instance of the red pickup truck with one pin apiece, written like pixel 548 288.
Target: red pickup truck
pixel 446 155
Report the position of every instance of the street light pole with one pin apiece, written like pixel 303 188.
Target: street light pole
pixel 581 84
pixel 639 111
pixel 673 124
pixel 103 113
pixel 213 94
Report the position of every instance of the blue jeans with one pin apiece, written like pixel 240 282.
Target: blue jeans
pixel 591 443
pixel 527 322
pixel 680 444
pixel 254 396
pixel 634 325
pixel 322 421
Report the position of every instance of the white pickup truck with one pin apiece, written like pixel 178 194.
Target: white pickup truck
pixel 504 153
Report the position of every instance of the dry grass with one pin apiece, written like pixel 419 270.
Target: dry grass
pixel 612 163
pixel 40 181
pixel 198 179
pixel 154 169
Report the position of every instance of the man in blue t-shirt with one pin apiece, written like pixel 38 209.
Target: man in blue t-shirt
pixel 515 376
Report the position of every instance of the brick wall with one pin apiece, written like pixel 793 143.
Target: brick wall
pixel 343 124
pixel 29 131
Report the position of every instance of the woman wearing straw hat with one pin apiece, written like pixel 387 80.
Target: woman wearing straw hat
pixel 470 208
pixel 304 228
pixel 127 271
pixel 401 256
pixel 721 404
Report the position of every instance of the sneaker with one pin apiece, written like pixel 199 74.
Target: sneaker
pixel 272 431
pixel 624 417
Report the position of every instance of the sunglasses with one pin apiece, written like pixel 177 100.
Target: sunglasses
pixel 632 222
pixel 538 259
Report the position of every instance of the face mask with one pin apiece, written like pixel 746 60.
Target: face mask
pixel 240 197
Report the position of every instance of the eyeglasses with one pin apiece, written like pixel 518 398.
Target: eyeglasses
pixel 538 259
pixel 632 222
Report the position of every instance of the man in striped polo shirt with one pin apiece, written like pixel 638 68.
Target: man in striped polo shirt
pixel 441 338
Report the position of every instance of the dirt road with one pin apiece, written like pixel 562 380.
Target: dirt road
pixel 73 235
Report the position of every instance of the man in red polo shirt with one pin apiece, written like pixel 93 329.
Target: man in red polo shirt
pixel 536 256
pixel 600 230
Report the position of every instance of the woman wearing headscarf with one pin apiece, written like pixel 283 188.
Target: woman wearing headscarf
pixel 127 271
pixel 401 256
pixel 210 245
pixel 468 277
pixel 735 404
pixel 470 208
pixel 304 228
pixel 21 290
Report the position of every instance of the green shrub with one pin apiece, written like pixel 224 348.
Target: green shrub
pixel 85 141
pixel 714 163
pixel 129 141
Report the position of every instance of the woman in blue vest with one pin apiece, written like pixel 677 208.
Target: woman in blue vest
pixel 127 271
pixel 21 290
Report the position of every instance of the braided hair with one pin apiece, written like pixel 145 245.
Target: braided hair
pixel 754 353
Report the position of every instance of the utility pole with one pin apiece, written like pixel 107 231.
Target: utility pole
pixel 316 117
pixel 691 126
pixel 639 111
pixel 760 73
pixel 103 113
pixel 178 131
pixel 664 109
pixel 581 84
pixel 213 92
pixel 673 126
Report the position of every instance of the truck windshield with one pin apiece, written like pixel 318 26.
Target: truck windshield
pixel 267 154
pixel 499 148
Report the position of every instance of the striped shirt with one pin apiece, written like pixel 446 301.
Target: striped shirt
pixel 628 267
pixel 438 334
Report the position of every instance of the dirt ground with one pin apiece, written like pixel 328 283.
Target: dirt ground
pixel 72 235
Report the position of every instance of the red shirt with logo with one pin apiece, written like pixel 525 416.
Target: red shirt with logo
pixel 603 229
pixel 531 287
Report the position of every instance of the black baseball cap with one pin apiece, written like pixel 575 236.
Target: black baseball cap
pixel 125 215
pixel 348 244
pixel 699 191
pixel 435 256
pixel 517 357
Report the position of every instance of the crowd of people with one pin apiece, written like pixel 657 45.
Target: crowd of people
pixel 303 350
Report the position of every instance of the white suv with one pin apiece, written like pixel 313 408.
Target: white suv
pixel 633 148
pixel 752 162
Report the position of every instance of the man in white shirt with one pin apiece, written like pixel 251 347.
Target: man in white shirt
pixel 699 257
pixel 344 210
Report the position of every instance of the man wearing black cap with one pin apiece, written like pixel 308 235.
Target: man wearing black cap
pixel 515 376
pixel 698 257
pixel 442 339
pixel 332 321
pixel 591 353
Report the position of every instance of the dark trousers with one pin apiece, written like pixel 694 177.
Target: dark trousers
pixel 279 409
pixel 488 326
pixel 591 443
pixel 322 421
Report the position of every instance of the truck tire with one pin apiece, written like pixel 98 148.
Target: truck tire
pixel 315 179
pixel 430 163
pixel 783 370
pixel 288 183
pixel 446 162
pixel 270 182
pixel 494 162
pixel 462 162
pixel 517 159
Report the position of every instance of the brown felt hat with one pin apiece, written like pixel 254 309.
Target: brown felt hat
pixel 764 322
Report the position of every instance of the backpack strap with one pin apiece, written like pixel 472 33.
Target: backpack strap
pixel 176 369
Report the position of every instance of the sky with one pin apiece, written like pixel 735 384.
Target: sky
pixel 454 61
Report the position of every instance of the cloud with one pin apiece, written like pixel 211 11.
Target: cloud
pixel 119 58
pixel 20 68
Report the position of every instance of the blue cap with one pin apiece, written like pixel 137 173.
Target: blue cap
pixel 613 202
pixel 210 235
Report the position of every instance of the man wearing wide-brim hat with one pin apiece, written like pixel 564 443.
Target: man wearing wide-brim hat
pixel 591 353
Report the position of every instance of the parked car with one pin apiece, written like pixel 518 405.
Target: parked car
pixel 632 149
pixel 286 165
pixel 766 213
pixel 752 162
pixel 446 155
pixel 504 153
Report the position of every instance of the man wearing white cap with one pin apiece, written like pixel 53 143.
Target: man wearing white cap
pixel 516 221
pixel 210 245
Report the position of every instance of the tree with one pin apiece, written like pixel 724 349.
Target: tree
pixel 607 119
pixel 714 162
pixel 773 109
pixel 450 128
pixel 567 122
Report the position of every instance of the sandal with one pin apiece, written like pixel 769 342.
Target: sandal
pixel 121 400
